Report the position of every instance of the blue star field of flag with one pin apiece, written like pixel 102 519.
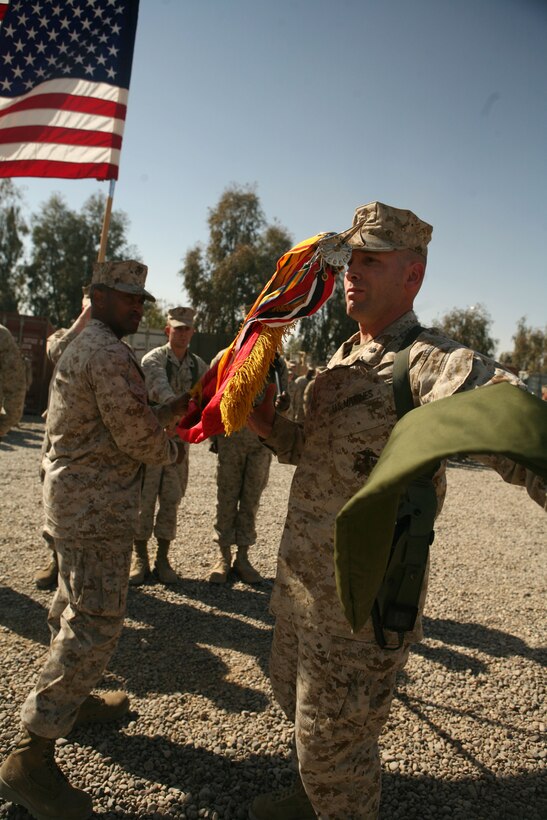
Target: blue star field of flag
pixel 44 40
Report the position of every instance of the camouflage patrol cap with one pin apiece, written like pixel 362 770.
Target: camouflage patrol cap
pixel 384 228
pixel 181 317
pixel 127 276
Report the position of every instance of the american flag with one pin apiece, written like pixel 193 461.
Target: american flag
pixel 65 67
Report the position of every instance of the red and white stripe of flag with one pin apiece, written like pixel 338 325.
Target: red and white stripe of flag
pixel 63 128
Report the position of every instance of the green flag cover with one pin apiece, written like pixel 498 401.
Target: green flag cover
pixel 499 419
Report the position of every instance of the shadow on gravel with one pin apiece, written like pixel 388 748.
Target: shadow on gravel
pixel 23 615
pixel 18 437
pixel 252 602
pixel 487 798
pixel 175 643
pixel 403 797
pixel 213 779
pixel 473 636
pixel 450 658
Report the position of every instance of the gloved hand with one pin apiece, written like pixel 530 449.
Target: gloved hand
pixel 283 401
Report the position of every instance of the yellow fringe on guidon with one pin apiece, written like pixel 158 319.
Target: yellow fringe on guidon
pixel 249 379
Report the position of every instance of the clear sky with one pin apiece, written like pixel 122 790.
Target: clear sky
pixel 434 105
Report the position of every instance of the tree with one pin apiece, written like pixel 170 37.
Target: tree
pixel 12 230
pixel 65 245
pixel 322 334
pixel 470 326
pixel 240 257
pixel 529 349
pixel 155 314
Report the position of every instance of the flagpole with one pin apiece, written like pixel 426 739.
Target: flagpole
pixel 106 222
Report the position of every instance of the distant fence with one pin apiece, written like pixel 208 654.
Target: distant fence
pixel 535 382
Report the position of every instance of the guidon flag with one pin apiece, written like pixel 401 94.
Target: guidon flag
pixel 303 281
pixel 65 67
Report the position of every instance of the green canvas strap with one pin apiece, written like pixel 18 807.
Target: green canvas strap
pixel 401 379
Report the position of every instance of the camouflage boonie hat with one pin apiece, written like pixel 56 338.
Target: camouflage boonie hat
pixel 384 228
pixel 181 317
pixel 127 277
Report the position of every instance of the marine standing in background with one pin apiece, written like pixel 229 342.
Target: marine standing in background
pixel 169 370
pixel 291 376
pixel 100 430
pixel 334 684
pixel 13 382
pixel 242 474
pixel 300 385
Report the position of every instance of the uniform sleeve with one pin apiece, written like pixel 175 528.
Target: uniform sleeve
pixel 286 440
pixel 437 373
pixel 155 374
pixel 120 393
pixel 58 342
pixel 13 382
pixel 442 369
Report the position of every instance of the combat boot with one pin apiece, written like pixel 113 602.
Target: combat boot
pixel 291 804
pixel 46 577
pixel 162 568
pixel 219 573
pixel 244 568
pixel 140 569
pixel 104 708
pixel 31 778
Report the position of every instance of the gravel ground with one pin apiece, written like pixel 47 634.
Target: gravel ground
pixel 464 739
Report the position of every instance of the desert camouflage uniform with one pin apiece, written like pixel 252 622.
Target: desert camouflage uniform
pixel 345 682
pixel 100 431
pixel 58 342
pixel 167 483
pixel 242 474
pixel 297 398
pixel 13 382
pixel 291 387
pixel 307 397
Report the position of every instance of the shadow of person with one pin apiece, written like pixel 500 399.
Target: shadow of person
pixel 225 780
pixel 250 601
pixel 22 437
pixel 486 798
pixel 492 642
pixel 23 615
pixel 183 646
pixel 179 641
pixel 450 658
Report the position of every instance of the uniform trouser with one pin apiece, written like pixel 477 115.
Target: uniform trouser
pixel 242 474
pixel 85 621
pixel 167 485
pixel 338 693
